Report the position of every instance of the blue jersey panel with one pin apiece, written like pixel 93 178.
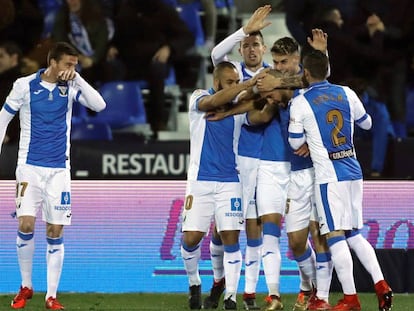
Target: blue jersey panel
pixel 275 146
pixel 333 116
pixel 218 161
pixel 251 141
pixel 48 140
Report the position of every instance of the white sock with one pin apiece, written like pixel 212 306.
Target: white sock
pixel 252 264
pixel 366 255
pixel 307 270
pixel 216 255
pixel 54 259
pixel 25 249
pixel 342 261
pixel 191 257
pixel 271 257
pixel 232 268
pixel 324 269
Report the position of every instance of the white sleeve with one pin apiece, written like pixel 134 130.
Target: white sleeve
pixel 87 95
pixel 5 118
pixel 361 117
pixel 220 51
pixel 296 130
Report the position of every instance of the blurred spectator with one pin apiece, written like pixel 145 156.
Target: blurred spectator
pixel 346 53
pixel 382 129
pixel 391 76
pixel 83 24
pixel 16 16
pixel 10 57
pixel 49 8
pixel 150 37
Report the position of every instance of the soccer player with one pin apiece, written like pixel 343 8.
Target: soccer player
pixel 323 117
pixel 44 101
pixel 252 49
pixel 213 186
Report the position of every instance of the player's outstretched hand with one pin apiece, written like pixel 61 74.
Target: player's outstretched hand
pixel 258 20
pixel 319 40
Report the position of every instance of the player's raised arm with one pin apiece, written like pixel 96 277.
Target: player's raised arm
pixel 89 97
pixel 256 23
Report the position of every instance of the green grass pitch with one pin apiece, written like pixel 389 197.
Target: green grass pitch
pixel 175 302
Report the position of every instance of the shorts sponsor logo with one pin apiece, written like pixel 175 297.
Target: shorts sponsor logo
pixel 62 208
pixel 65 198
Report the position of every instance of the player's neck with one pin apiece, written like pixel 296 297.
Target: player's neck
pixel 48 76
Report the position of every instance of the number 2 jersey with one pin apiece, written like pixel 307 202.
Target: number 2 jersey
pixel 325 114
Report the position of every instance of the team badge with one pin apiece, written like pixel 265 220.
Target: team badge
pixel 63 90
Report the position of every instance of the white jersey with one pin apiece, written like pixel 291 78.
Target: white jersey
pixel 45 117
pixel 325 114
pixel 213 144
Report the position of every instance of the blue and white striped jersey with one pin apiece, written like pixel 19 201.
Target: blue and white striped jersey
pixel 325 114
pixel 213 144
pixel 45 111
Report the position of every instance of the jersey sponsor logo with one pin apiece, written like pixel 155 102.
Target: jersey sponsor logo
pixel 37 92
pixel 349 153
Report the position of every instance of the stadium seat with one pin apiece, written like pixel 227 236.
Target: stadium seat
pixel 91 131
pixel 124 105
pixel 189 13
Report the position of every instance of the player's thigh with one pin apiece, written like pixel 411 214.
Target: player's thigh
pixel 57 209
pixel 229 214
pixel 272 187
pixel 29 190
pixel 334 207
pixel 300 198
pixel 356 201
pixel 248 177
pixel 199 206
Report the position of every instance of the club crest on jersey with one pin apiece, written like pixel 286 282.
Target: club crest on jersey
pixel 63 90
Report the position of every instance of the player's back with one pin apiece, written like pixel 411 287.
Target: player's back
pixel 329 126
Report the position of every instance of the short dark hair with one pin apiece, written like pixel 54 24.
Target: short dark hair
pixel 218 69
pixel 12 48
pixel 316 62
pixel 285 46
pixel 59 49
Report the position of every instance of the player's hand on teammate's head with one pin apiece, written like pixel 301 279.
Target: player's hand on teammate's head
pixel 66 75
pixel 258 20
